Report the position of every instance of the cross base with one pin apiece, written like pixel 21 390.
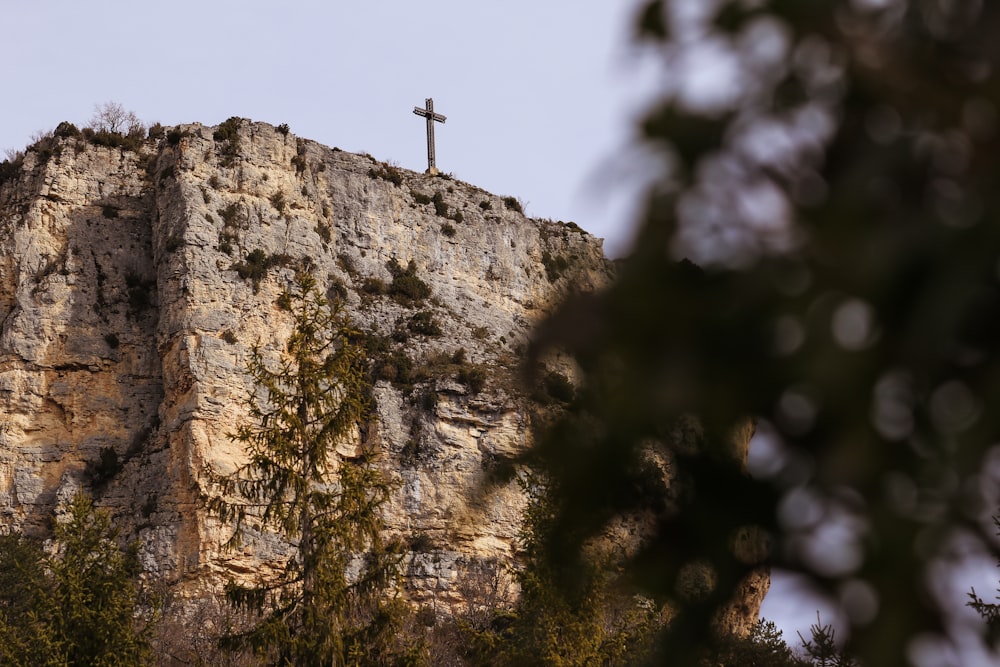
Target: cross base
pixel 432 171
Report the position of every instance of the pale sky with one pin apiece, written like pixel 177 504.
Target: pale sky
pixel 539 96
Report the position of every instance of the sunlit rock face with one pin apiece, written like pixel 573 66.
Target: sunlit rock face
pixel 131 294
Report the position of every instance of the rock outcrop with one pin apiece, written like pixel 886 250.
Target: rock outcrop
pixel 133 284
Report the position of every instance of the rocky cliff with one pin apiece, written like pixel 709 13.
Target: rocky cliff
pixel 134 281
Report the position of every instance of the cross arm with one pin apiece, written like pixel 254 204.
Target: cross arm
pixel 433 116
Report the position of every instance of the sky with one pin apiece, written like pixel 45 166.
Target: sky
pixel 538 95
pixel 540 99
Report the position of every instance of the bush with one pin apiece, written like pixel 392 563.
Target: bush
pixel 387 172
pixel 395 367
pixel 448 230
pixel 228 215
pixel 229 336
pixel 406 287
pixel 473 377
pixel 66 130
pixel 175 135
pixel 283 129
pixel 255 267
pixel 278 201
pixel 130 142
pixel 375 286
pixel 11 167
pixel 228 133
pixel 336 290
pixel 554 265
pixel 420 197
pixel 486 205
pixel 424 323
pixel 440 207
pixel 513 204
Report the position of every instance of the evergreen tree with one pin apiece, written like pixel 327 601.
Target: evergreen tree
pixel 839 197
pixel 80 605
pixel 326 504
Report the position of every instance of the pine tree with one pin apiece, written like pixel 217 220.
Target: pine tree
pixel 80 605
pixel 327 505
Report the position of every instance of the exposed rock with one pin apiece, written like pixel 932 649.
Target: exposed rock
pixel 133 285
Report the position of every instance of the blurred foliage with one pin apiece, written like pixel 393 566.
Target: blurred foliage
pixel 832 180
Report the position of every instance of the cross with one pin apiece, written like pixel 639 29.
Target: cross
pixel 428 113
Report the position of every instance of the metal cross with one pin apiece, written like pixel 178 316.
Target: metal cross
pixel 428 113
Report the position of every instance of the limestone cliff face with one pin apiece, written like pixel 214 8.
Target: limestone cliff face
pixel 133 284
pixel 128 311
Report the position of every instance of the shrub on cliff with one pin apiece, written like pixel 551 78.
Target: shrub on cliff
pixel 406 287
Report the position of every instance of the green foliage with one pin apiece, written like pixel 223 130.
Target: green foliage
pixel 11 168
pixel 406 287
pixel 374 286
pixel 79 605
pixel 329 506
pixel 420 197
pixel 440 206
pixel 472 376
pixel 255 267
pixel 229 131
pixel 821 648
pixel 765 647
pixel 175 135
pixel 278 201
pixel 560 621
pixel 448 230
pixel 486 205
pixel 257 264
pixel 229 336
pixel 228 134
pixel 554 265
pixel 396 367
pixel 853 319
pixel 283 129
pixel 513 204
pixel 387 172
pixel 229 215
pixel 131 142
pixel 66 130
pixel 424 323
